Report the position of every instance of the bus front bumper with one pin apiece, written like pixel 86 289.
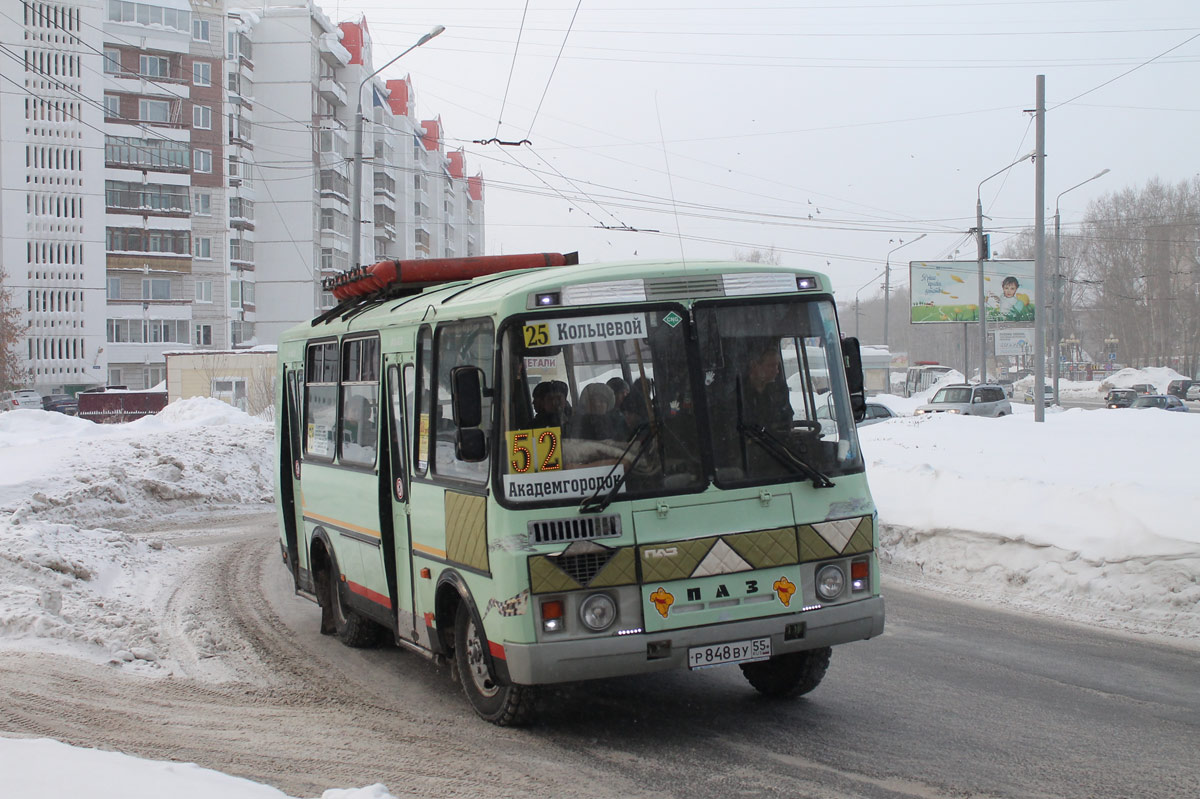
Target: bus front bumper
pixel 615 656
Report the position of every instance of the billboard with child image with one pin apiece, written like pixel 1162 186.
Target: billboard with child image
pixel 948 291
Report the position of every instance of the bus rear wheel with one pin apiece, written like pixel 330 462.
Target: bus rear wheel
pixel 505 705
pixel 351 628
pixel 794 674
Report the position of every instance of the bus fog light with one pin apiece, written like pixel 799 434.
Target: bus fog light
pixel 860 576
pixel 831 581
pixel 598 612
pixel 552 616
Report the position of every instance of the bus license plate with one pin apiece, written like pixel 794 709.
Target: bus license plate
pixel 700 657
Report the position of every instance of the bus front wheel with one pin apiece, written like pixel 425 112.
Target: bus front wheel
pixel 504 705
pixel 794 674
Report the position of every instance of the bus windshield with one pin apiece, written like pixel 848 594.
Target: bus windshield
pixel 595 403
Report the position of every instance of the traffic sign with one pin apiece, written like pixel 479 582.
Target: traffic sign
pixel 1112 356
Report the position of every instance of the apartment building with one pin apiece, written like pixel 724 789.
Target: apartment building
pixel 182 177
pixel 51 187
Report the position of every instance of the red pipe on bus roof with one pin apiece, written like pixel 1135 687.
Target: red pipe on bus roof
pixel 440 270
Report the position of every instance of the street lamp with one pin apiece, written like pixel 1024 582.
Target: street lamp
pixel 860 291
pixel 980 259
pixel 1058 298
pixel 356 207
pixel 887 302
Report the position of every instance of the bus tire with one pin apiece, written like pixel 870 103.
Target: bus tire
pixel 505 705
pixel 794 674
pixel 352 628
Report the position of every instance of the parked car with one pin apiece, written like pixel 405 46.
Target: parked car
pixel 1048 395
pixel 63 403
pixel 877 412
pixel 1120 398
pixel 1193 392
pixel 1144 388
pixel 980 400
pixel 21 398
pixel 1161 401
pixel 1179 388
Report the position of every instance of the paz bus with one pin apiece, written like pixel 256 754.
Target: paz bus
pixel 545 472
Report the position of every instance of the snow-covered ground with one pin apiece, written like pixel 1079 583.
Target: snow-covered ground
pixel 1091 515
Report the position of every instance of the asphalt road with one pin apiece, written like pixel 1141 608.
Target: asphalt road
pixel 953 700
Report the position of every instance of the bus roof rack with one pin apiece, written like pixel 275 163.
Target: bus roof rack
pixel 369 284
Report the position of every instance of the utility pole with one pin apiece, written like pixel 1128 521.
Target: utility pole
pixel 1039 266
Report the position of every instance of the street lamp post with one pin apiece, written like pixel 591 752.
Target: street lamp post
pixel 887 303
pixel 860 291
pixel 356 206
pixel 980 257
pixel 1058 297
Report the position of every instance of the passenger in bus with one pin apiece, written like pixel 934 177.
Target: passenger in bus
pixel 620 390
pixel 549 402
pixel 594 419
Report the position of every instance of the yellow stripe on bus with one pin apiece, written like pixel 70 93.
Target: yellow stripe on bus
pixel 344 525
pixel 437 553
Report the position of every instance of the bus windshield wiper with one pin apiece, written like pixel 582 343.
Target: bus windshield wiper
pixel 644 434
pixel 780 451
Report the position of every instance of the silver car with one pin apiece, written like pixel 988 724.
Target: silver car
pixel 21 398
pixel 981 400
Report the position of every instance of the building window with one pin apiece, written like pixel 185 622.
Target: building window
pixel 247 292
pixel 235 294
pixel 154 66
pixel 114 377
pixel 202 72
pixel 112 106
pixel 203 335
pixel 200 30
pixel 155 375
pixel 154 110
pixel 112 288
pixel 202 247
pixel 202 117
pixel 202 159
pixel 202 203
pixel 203 291
pixel 156 288
pixel 112 60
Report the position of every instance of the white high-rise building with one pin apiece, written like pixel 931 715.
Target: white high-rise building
pixel 51 187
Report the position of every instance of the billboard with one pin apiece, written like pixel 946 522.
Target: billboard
pixel 948 291
pixel 1014 341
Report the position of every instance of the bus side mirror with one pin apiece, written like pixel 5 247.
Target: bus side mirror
pixel 466 404
pixel 854 377
pixel 470 444
pixel 466 396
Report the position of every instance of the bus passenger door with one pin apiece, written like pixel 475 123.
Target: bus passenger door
pixel 398 552
pixel 289 474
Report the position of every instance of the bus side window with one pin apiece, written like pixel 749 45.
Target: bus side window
pixel 420 419
pixel 467 343
pixel 320 399
pixel 360 401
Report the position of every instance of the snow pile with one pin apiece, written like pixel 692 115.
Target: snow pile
pixel 34 768
pixel 1090 515
pixel 72 576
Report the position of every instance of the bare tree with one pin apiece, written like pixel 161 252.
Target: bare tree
pixel 756 256
pixel 12 332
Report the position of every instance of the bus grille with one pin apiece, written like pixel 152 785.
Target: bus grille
pixel 582 528
pixel 586 565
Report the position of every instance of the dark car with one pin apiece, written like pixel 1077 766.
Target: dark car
pixel 62 403
pixel 1121 398
pixel 1161 401
pixel 1144 388
pixel 1179 388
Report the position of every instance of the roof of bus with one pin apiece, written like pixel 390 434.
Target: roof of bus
pixel 489 294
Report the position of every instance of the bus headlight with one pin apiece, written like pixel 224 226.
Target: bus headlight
pixel 831 581
pixel 598 612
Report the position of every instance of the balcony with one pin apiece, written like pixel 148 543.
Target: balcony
pixel 332 91
pixel 154 261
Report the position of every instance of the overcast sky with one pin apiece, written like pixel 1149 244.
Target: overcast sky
pixel 829 130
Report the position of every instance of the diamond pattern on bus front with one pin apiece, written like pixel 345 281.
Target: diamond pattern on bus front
pixel 766 548
pixel 466 530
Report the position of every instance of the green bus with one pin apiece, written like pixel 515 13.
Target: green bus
pixel 546 472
